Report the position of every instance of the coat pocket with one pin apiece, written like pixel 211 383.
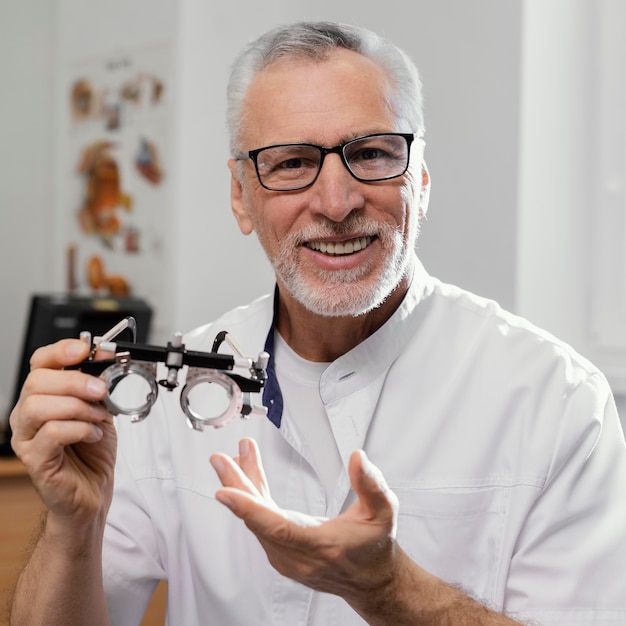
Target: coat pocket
pixel 455 534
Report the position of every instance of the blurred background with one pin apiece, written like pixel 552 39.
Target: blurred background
pixel 526 134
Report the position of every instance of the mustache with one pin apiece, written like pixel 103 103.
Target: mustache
pixel 353 224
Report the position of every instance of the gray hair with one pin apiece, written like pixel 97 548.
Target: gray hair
pixel 315 41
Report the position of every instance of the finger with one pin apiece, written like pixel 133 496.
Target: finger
pixel 60 354
pixel 54 382
pixel 56 435
pixel 249 460
pixel 231 475
pixel 35 411
pixel 241 503
pixel 46 451
pixel 261 517
pixel 72 383
pixel 371 487
pixel 55 394
pixel 266 520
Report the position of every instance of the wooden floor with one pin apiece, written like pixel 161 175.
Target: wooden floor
pixel 20 512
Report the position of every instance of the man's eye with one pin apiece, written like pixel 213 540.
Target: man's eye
pixel 373 155
pixel 368 154
pixel 290 164
pixel 295 163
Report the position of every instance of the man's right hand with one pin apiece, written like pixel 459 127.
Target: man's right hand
pixel 64 435
pixel 66 439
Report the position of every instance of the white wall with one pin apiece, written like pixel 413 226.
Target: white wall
pixel 503 83
pixel 216 268
pixel 27 65
pixel 555 188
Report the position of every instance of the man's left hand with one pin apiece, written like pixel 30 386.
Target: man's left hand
pixel 351 555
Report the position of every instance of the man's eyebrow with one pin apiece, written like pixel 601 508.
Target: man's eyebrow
pixel 346 137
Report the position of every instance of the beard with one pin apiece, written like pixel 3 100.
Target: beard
pixel 347 292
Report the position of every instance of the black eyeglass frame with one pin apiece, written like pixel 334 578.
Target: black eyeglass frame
pixel 338 149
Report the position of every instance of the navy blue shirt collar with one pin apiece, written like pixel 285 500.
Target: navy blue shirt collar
pixel 272 395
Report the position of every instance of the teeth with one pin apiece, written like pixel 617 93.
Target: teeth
pixel 338 248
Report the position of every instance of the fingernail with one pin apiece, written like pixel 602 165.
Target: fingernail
pixel 95 435
pixel 224 498
pixel 217 463
pixel 75 350
pixel 368 467
pixel 96 387
pixel 244 447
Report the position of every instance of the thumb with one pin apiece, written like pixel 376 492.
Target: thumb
pixel 372 490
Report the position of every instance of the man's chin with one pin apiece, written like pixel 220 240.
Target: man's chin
pixel 341 299
pixel 343 293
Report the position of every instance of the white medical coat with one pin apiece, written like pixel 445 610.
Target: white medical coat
pixel 502 444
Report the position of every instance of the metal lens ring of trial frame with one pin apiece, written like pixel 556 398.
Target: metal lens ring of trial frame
pixel 197 376
pixel 124 367
pixel 115 374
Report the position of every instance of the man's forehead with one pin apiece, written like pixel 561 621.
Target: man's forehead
pixel 305 100
pixel 283 68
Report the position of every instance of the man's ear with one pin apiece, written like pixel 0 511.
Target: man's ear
pixel 425 191
pixel 237 200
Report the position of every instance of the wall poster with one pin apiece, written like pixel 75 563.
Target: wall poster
pixel 116 213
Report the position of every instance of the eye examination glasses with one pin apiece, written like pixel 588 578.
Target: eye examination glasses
pixel 213 394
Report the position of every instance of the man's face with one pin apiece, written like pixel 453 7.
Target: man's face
pixel 341 246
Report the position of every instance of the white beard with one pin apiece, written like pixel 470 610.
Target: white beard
pixel 352 292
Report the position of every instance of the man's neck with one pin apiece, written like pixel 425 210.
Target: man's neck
pixel 323 339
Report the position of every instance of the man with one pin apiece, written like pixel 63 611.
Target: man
pixel 495 489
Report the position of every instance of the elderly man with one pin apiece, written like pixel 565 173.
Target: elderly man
pixel 432 459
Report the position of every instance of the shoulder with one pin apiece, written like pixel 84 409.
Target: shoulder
pixel 482 330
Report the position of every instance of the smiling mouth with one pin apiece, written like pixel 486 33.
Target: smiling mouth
pixel 340 248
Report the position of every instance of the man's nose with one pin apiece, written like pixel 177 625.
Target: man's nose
pixel 337 192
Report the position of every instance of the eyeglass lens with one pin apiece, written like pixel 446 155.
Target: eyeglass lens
pixel 295 166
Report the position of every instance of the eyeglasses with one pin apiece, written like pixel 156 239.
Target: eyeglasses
pixel 372 158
